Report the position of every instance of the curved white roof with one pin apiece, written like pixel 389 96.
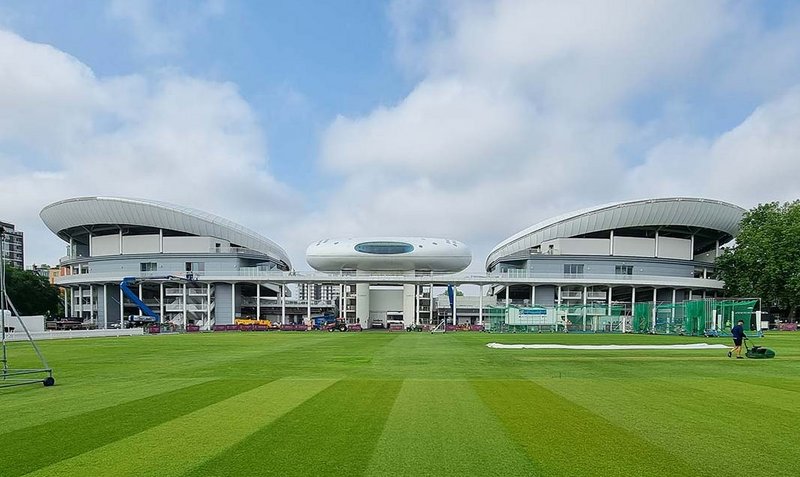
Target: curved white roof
pixel 675 211
pixel 389 254
pixel 84 211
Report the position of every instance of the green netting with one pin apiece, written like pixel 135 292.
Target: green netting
pixel 731 311
pixel 642 317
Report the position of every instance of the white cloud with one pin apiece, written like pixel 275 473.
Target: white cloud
pixel 162 28
pixel 168 136
pixel 527 109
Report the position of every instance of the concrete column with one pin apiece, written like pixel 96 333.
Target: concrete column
pixel 283 304
pixel 690 295
pixel 480 306
pixel 655 254
pixel 508 300
pixel 610 292
pixel 91 303
pixel 160 240
pixel 67 301
pixel 409 299
pixel 120 242
pixel 185 314
pixel 533 295
pixel 653 329
pixel 258 301
pixel 161 302
pixel 417 289
pixel 121 308
pixel 105 306
pixel 611 244
pixel 233 302
pixel 90 244
pixel 208 306
pixel 80 302
pixel 309 287
pixel 672 313
pixel 691 245
pixel 362 302
pixel 455 305
pixel 559 296
pixel 583 312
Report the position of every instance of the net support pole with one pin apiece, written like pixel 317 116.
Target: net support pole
pixel 655 290
pixel 480 306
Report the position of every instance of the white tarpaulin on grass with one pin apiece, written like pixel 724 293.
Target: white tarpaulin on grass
pixel 606 347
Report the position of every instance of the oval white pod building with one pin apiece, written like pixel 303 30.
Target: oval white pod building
pixel 389 254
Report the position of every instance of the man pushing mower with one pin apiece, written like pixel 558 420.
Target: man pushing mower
pixel 738 335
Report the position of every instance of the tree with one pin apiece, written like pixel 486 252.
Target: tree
pixel 31 293
pixel 765 261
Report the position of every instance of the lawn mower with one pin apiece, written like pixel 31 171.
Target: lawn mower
pixel 758 352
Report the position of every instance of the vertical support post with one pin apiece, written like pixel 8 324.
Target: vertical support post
pixel 105 306
pixel 508 300
pixel 120 242
pixel 283 304
pixel 161 302
pixel 690 294
pixel 208 305
pixel 233 302
pixel 67 301
pixel 91 303
pixel 611 243
pixel 258 301
pixel 533 295
pixel 417 289
pixel 160 240
pixel 480 306
pixel 655 252
pixel 121 309
pixel 80 302
pixel 633 304
pixel 90 244
pixel 185 315
pixel 308 303
pixel 583 311
pixel 691 246
pixel 608 298
pixel 653 329
pixel 455 304
pixel 672 314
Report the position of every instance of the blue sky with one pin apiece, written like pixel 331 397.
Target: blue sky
pixel 463 119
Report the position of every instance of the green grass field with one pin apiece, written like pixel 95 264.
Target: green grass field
pixel 400 404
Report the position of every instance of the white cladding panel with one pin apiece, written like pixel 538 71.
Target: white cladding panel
pixel 140 244
pixel 671 247
pixel 105 245
pixel 383 300
pixel 634 247
pixel 188 244
pixel 578 246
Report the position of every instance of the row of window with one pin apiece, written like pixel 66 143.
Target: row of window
pixel 576 269
pixel 190 266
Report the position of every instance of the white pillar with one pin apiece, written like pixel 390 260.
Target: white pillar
pixel 105 306
pixel 121 309
pixel 160 240
pixel 258 301
pixel 185 315
pixel 704 294
pixel 283 305
pixel 559 296
pixel 161 302
pixel 690 294
pixel 120 241
pixel 583 312
pixel 610 292
pixel 508 301
pixel 140 295
pixel 672 314
pixel 80 302
pixel 480 306
pixel 233 302
pixel 655 254
pixel 611 244
pixel 67 300
pixel 691 246
pixel 653 329
pixel 533 295
pixel 308 303
pixel 90 244
pixel 91 303
pixel 208 305
pixel 455 304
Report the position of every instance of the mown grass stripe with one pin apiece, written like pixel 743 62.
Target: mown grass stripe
pixel 566 439
pixel 31 448
pixel 176 446
pixel 333 433
pixel 442 428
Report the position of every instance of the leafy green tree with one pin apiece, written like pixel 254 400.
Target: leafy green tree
pixel 32 294
pixel 765 262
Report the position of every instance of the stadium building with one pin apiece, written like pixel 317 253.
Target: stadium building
pixel 388 300
pixel 185 265
pixel 591 270
pixel 657 251
pixel 12 245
